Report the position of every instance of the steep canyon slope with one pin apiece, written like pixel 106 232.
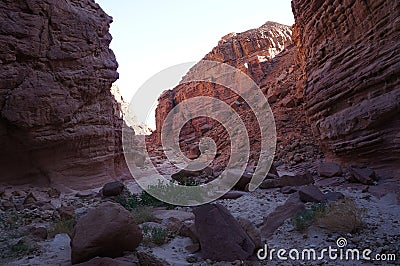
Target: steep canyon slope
pixel 350 56
pixel 59 123
pixel 267 55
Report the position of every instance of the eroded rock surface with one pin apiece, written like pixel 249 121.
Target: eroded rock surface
pixel 267 55
pixel 59 122
pixel 349 52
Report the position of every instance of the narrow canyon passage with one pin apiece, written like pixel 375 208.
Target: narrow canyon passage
pixel 78 184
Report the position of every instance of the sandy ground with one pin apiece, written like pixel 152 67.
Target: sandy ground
pixel 381 232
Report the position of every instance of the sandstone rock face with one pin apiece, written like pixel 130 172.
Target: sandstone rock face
pixel 253 50
pixel 350 56
pixel 59 122
pixel 267 55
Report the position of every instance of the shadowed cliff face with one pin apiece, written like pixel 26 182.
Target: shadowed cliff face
pixel 59 122
pixel 350 57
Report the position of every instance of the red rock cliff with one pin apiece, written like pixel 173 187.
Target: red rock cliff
pixel 350 56
pixel 59 122
pixel 267 55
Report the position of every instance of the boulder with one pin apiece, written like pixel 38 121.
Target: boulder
pixel 113 189
pixel 334 196
pixel 188 229
pixel 146 258
pixel 288 181
pixel 85 194
pixel 221 236
pixel 233 195
pixel 39 233
pixel 185 174
pixel 107 231
pixel 311 194
pixel 66 212
pixel 274 220
pixel 364 176
pixel 329 170
pixel 243 181
pixel 332 181
pixel 288 190
pixel 246 177
pixel 106 262
pixel 251 230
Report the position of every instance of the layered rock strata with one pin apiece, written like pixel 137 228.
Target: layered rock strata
pixel 59 122
pixel 349 54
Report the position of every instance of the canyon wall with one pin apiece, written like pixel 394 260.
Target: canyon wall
pixel 267 55
pixel 350 56
pixel 59 123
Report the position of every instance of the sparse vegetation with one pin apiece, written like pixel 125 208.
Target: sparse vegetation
pixel 171 192
pixel 22 248
pixel 62 227
pixel 305 219
pixel 189 182
pixel 167 190
pixel 143 214
pixel 343 216
pixel 144 199
pixel 156 235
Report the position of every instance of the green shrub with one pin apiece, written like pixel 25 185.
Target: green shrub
pixel 303 220
pixel 144 199
pixel 189 182
pixel 171 192
pixel 22 248
pixel 62 227
pixel 143 214
pixel 156 235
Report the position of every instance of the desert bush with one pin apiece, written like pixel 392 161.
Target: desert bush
pixel 144 199
pixel 63 226
pixel 303 220
pixel 156 235
pixel 23 247
pixel 171 192
pixel 343 216
pixel 143 214
pixel 190 182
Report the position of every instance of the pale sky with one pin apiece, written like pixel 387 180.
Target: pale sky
pixel 151 35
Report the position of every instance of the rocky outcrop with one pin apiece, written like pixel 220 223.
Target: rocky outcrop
pixel 252 51
pixel 267 55
pixel 349 51
pixel 59 122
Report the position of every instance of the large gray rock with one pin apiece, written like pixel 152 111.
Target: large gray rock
pixel 221 236
pixel 106 231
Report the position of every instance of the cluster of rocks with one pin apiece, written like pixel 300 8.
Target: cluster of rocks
pixel 105 232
